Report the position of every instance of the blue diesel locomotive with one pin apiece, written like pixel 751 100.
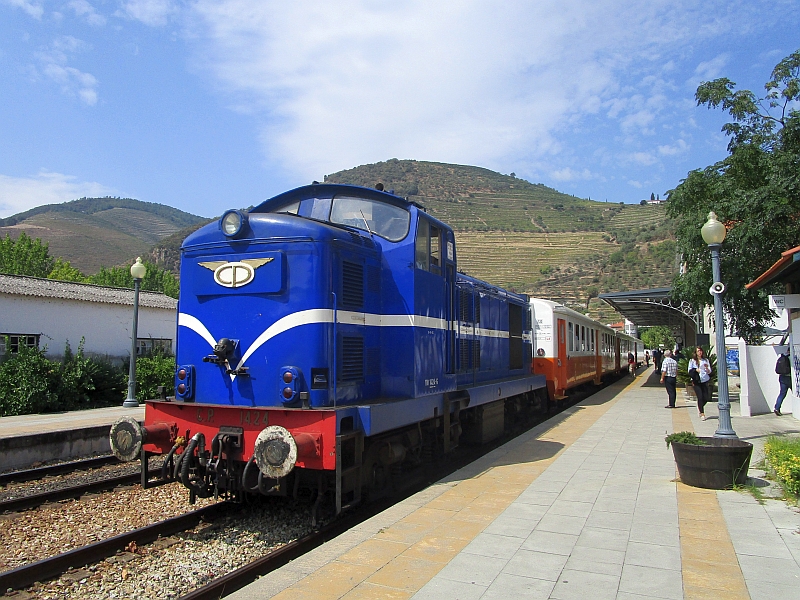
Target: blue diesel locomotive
pixel 326 340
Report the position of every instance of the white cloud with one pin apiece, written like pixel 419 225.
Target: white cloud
pixel 82 8
pixel 634 183
pixel 32 8
pixel 73 82
pixel 643 158
pixel 568 174
pixel 679 147
pixel 150 12
pixel 18 194
pixel 344 83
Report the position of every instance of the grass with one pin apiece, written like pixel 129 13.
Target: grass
pixel 783 461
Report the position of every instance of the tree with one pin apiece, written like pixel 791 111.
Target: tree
pixel 755 191
pixel 25 256
pixel 655 337
pixel 156 279
pixel 63 271
pixel 652 196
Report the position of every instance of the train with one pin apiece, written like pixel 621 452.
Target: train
pixel 327 343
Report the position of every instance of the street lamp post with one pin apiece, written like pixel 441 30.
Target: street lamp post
pixel 713 233
pixel 138 270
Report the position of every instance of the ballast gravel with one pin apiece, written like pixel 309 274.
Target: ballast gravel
pixel 174 566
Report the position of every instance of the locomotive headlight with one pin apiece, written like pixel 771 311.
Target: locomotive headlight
pixel 232 223
pixel 288 377
pixel 182 374
pixel 287 392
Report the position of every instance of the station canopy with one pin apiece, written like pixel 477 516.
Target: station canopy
pixel 651 308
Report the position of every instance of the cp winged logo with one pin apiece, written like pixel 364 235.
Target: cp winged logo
pixel 235 274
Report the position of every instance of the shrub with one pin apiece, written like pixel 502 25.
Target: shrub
pixel 74 384
pixel 684 437
pixel 153 370
pixel 27 383
pixel 783 458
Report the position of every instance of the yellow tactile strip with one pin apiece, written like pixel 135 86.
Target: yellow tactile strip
pixel 708 561
pixel 403 557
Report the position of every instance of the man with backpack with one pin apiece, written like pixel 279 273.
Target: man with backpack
pixel 784 369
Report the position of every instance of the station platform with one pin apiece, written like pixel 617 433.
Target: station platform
pixel 27 440
pixel 585 505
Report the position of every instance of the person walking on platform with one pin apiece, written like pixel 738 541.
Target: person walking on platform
pixel 784 369
pixel 700 374
pixel 646 358
pixel 669 377
pixel 632 364
pixel 657 356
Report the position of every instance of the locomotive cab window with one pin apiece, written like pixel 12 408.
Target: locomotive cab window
pixel 375 217
pixel 428 247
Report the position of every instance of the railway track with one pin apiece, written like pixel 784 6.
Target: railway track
pixel 76 491
pixel 54 566
pixel 59 469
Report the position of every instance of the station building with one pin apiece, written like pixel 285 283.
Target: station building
pixel 48 314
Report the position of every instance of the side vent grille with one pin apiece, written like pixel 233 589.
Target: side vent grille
pixel 352 284
pixel 463 354
pixel 476 354
pixel 361 240
pixel 352 364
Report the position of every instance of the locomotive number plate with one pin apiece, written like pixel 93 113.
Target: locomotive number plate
pixel 252 417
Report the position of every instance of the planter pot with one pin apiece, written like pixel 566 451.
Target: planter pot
pixel 720 464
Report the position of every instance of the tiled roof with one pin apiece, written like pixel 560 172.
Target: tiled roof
pixel 66 290
pixel 783 267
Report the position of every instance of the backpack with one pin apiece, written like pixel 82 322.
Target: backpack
pixel 782 367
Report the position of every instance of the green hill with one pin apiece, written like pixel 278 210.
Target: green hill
pixel 532 238
pixel 95 232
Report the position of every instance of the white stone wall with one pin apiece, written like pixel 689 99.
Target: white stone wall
pixel 759 382
pixel 105 327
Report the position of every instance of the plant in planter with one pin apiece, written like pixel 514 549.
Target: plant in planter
pixel 709 462
pixel 684 437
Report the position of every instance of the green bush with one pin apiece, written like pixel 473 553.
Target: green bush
pixel 30 383
pixel 684 437
pixel 783 458
pixel 27 383
pixel 153 370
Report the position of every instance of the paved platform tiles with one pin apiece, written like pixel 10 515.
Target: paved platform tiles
pixel 77 419
pixel 584 506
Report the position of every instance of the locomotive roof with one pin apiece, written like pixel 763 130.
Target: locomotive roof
pixel 324 190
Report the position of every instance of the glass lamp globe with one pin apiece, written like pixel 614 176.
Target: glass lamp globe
pixel 138 270
pixel 713 231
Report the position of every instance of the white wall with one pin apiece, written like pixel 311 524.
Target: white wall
pixel 759 381
pixel 105 327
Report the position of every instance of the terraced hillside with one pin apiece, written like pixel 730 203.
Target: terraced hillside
pixel 532 238
pixel 95 232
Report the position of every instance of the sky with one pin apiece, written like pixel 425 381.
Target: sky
pixel 206 105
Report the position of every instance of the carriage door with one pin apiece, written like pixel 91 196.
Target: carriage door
pixel 561 358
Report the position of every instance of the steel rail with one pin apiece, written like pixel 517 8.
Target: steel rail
pixel 54 566
pixel 59 469
pixel 34 500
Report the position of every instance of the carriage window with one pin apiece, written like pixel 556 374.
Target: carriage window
pixel 583 338
pixel 570 337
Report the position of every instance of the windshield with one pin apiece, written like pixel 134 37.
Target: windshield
pixel 386 220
